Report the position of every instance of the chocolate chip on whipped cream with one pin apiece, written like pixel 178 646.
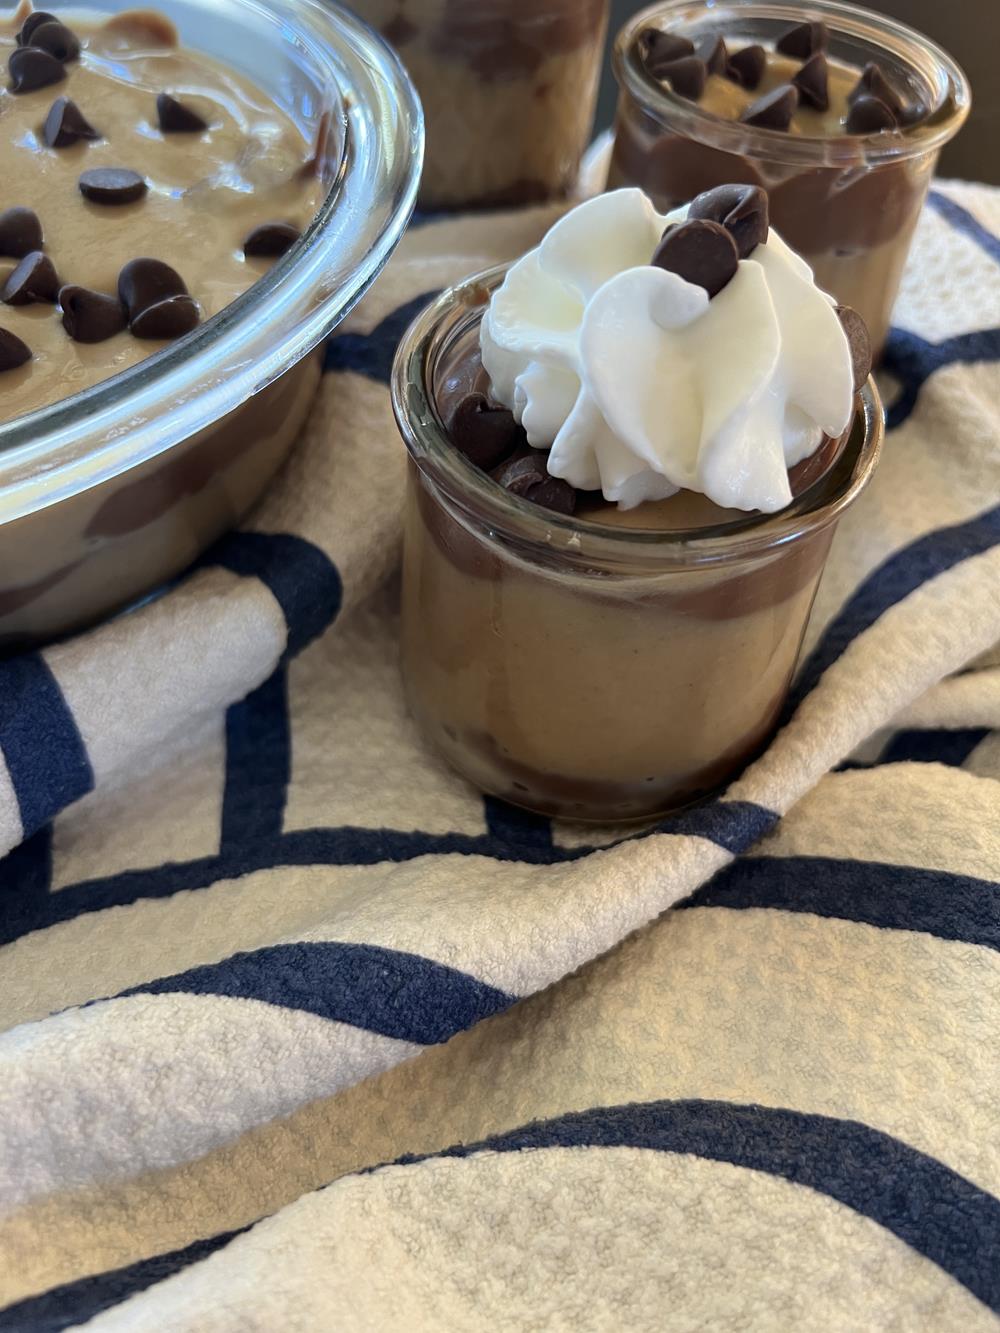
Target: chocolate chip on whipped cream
pixel 34 280
pixel 700 251
pixel 13 352
pixel 742 210
pixel 20 232
pixel 89 316
pixel 66 124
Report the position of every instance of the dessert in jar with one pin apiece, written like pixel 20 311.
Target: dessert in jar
pixel 628 455
pixel 171 254
pixel 508 90
pixel 840 114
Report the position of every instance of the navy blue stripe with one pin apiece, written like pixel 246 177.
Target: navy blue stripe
pixel 962 220
pixel 951 907
pixel 929 1207
pixel 42 746
pixel 395 994
pixel 76 1302
pixel 371 354
pixel 304 581
pixel 733 825
pixel 913 360
pixel 933 746
pixel 258 764
pixel 896 578
pixel 511 825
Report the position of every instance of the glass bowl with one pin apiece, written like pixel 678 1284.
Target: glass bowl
pixel 110 492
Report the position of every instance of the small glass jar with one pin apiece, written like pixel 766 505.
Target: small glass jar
pixel 847 204
pixel 508 90
pixel 110 492
pixel 581 670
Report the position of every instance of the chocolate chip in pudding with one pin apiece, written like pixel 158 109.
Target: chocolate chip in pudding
pixel 147 154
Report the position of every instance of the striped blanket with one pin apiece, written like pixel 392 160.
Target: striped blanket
pixel 302 1033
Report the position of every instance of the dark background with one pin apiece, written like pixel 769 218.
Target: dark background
pixel 968 29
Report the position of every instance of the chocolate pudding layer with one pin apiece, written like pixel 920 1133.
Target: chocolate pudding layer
pixel 567 653
pixel 839 118
pixel 146 186
pixel 507 87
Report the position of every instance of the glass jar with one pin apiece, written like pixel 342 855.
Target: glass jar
pixel 581 670
pixel 847 204
pixel 508 90
pixel 110 492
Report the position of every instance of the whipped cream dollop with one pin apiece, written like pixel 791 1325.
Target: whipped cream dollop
pixel 639 385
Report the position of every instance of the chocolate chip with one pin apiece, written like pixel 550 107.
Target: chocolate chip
pixel 700 251
pixel 873 83
pixel 811 82
pixel 715 55
pixel 176 118
pixel 167 319
pixel 741 209
pixel 144 282
pixel 33 280
pixel 526 475
pixel 270 239
pixel 747 66
pixel 774 110
pixel 30 69
pixel 869 115
pixel 112 185
pixel 484 433
pixel 20 232
pixel 91 317
pixel 66 124
pixel 860 342
pixel 803 41
pixel 660 48
pixel 55 38
pixel 32 22
pixel 686 76
pixel 13 352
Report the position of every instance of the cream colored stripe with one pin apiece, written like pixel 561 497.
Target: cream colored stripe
pixel 11 829
pixel 893 1029
pixel 466 912
pixel 929 634
pixel 561 1239
pixel 925 815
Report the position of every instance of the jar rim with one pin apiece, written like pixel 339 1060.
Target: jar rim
pixel 583 543
pixel 82 440
pixel 906 43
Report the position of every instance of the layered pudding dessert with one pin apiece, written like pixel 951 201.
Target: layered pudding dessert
pixel 838 114
pixel 145 187
pixel 508 90
pixel 628 454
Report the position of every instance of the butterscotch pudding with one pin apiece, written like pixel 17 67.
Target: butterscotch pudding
pixel 839 114
pixel 192 199
pixel 508 90
pixel 145 187
pixel 629 452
